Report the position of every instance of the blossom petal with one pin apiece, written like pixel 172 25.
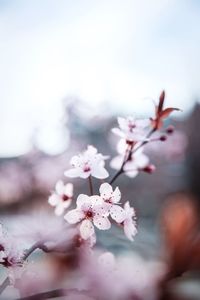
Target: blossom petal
pixel 116 195
pixel 101 222
pixel 54 199
pixel 91 150
pixel 116 162
pixel 117 213
pixel 82 199
pixel 72 173
pixel 132 173
pixel 84 175
pixel 118 132
pixel 86 229
pixel 130 212
pixel 59 210
pixel 74 216
pixel 59 187
pixel 130 229
pixel 105 189
pixel 96 200
pixel 99 172
pixel 68 189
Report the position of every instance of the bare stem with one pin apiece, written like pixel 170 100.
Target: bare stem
pixel 90 185
pixel 121 170
pixel 53 294
pixel 4 285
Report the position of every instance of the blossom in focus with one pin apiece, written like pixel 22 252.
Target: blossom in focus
pixel 130 129
pixel 88 163
pixel 90 210
pixel 129 223
pixel 135 163
pixel 62 197
pixel 111 199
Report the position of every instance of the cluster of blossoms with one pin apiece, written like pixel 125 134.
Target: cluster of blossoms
pixel 93 210
pixel 97 209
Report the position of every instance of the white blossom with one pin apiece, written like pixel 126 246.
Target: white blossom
pixel 111 199
pixel 88 163
pixel 89 211
pixel 129 222
pixel 62 197
pixel 131 129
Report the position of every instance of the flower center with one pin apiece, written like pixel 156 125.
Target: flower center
pixel 89 214
pixel 65 197
pixel 86 168
pixel 109 200
pixel 130 143
pixel 131 126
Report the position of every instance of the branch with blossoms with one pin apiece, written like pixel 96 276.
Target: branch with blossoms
pixel 99 210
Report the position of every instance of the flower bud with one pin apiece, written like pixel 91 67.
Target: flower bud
pixel 163 138
pixel 170 129
pixel 149 169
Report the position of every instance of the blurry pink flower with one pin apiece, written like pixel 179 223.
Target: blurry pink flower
pixel 137 161
pixel 129 223
pixel 89 163
pixel 111 199
pixel 131 129
pixel 44 228
pixel 89 210
pixel 62 197
pixel 10 253
pixel 107 261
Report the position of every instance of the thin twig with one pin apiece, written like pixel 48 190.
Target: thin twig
pixel 4 285
pixel 53 294
pixel 90 185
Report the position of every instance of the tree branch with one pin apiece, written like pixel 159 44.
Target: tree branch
pixel 53 294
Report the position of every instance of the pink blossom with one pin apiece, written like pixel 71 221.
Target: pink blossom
pixel 111 199
pixel 44 228
pixel 10 253
pixel 89 211
pixel 62 197
pixel 131 129
pixel 129 223
pixel 88 163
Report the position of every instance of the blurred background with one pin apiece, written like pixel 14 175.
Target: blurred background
pixel 68 68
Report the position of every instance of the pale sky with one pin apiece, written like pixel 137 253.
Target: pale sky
pixel 121 51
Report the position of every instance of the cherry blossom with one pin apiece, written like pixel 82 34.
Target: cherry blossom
pixel 111 199
pixel 130 129
pixel 62 197
pixel 129 223
pixel 89 211
pixel 137 161
pixel 88 163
